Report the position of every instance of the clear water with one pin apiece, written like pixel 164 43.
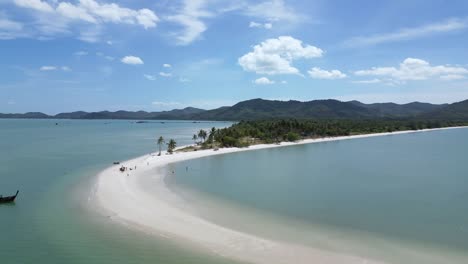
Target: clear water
pixel 53 167
pixel 400 198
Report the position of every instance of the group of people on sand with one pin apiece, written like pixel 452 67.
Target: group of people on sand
pixel 123 169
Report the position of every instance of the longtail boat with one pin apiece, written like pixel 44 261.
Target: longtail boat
pixel 8 199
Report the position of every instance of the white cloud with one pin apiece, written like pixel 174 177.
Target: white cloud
pixel 34 4
pixel 450 77
pixel 165 74
pixel 91 34
pixel 190 18
pixel 192 15
pixel 10 29
pixel 10 25
pixel 275 56
pixel 254 24
pixel 368 81
pixel 54 68
pixel 147 18
pixel 165 65
pixel 318 73
pixel 273 10
pixel 150 77
pixel 132 60
pixel 412 69
pixel 57 17
pixel 410 33
pixel 75 12
pixel 263 81
pixel 48 68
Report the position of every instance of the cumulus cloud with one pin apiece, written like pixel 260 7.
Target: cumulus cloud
pixel 165 65
pixel 132 60
pixel 275 56
pixel 318 73
pixel 165 74
pixel 412 69
pixel 263 81
pixel 93 12
pixel 410 33
pixel 57 17
pixel 149 77
pixel 35 4
pixel 254 24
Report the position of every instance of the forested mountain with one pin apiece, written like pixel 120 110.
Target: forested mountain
pixel 399 110
pixel 455 111
pixel 259 109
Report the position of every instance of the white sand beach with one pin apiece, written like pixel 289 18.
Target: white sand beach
pixel 161 212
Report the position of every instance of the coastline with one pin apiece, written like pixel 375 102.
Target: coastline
pixel 163 213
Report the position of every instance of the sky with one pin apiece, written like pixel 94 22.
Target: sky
pixel 92 55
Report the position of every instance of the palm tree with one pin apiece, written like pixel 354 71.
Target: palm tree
pixel 160 143
pixel 171 145
pixel 212 135
pixel 202 134
pixel 194 138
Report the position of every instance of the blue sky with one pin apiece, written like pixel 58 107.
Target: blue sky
pixel 95 55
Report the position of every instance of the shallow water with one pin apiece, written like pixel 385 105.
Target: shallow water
pixel 53 167
pixel 400 198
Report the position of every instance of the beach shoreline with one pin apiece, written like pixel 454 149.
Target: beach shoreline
pixel 122 196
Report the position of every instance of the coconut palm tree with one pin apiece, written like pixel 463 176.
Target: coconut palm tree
pixel 202 134
pixel 194 138
pixel 160 143
pixel 171 145
pixel 211 137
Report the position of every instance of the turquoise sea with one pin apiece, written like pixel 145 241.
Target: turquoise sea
pixel 53 167
pixel 400 198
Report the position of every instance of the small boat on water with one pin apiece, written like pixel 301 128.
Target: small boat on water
pixel 8 199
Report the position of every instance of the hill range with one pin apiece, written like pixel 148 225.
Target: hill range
pixel 257 109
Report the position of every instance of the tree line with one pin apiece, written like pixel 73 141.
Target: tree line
pixel 247 133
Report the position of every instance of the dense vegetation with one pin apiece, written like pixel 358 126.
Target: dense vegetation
pixel 247 133
pixel 259 109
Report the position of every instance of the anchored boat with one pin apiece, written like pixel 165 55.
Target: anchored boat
pixel 8 199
